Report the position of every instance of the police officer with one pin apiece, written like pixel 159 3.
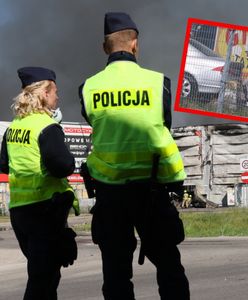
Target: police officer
pixel 37 160
pixel 129 110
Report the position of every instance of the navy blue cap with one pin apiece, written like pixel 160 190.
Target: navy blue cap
pixel 29 75
pixel 117 21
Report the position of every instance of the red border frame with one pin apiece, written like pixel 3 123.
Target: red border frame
pixel 4 178
pixel 177 106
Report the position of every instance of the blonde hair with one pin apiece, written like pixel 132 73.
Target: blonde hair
pixel 31 99
pixel 120 40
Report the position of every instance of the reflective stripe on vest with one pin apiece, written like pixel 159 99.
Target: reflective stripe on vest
pixel 124 157
pixel 124 106
pixel 166 171
pixel 28 178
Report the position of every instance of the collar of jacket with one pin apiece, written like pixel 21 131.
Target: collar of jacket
pixel 121 55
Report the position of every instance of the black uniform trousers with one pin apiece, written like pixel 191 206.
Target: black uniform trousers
pixel 119 210
pixel 37 228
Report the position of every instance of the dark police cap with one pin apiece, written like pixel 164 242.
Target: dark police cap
pixel 117 21
pixel 29 75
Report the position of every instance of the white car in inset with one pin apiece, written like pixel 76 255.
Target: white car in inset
pixel 203 71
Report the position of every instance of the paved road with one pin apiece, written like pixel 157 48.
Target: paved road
pixel 217 269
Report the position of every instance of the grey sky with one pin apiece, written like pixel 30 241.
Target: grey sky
pixel 66 35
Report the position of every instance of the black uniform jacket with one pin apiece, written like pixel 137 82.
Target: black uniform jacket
pixel 54 153
pixel 122 55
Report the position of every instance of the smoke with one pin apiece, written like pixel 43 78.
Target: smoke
pixel 67 36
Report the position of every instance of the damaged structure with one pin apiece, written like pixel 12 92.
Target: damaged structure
pixel 215 159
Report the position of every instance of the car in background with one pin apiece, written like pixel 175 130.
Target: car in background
pixel 203 71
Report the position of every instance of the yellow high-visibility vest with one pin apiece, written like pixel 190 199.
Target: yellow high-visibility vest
pixel 29 180
pixel 124 104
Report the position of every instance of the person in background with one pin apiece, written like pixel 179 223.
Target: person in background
pixel 134 164
pixel 37 160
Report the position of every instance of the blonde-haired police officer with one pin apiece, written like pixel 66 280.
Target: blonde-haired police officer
pixel 37 160
pixel 129 110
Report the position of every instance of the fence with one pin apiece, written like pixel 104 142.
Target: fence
pixel 4 198
pixel 241 194
pixel 216 71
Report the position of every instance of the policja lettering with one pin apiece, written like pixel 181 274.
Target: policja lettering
pixel 21 136
pixel 121 99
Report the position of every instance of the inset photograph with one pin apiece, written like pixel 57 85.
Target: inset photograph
pixel 213 77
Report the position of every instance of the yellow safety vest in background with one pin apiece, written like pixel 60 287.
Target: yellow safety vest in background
pixel 124 104
pixel 29 180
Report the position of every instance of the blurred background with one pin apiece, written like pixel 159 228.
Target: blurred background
pixel 67 36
